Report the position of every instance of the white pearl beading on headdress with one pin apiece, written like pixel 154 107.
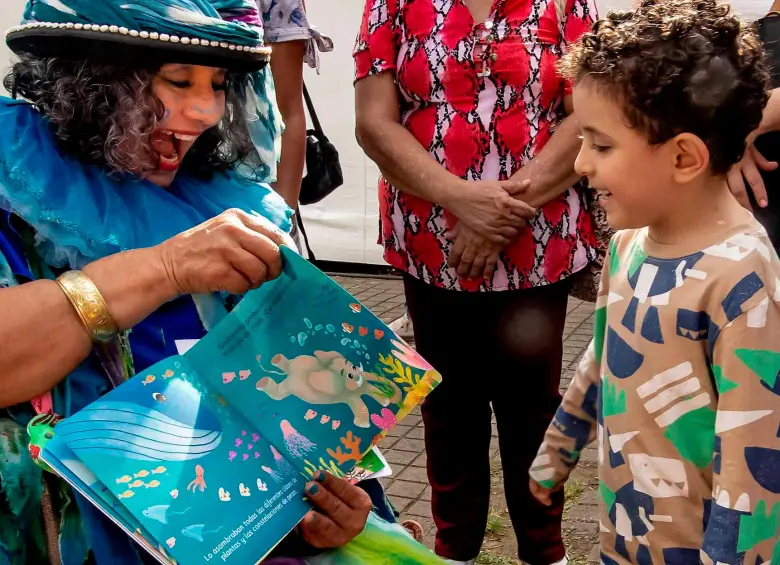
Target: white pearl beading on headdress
pixel 164 37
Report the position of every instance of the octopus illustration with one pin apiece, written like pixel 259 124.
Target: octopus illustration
pixel 198 481
pixel 297 444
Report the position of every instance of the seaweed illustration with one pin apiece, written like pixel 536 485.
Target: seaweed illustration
pixel 329 466
pixel 404 376
pixel 352 444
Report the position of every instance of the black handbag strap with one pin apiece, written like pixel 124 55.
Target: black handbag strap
pixel 313 114
pixel 309 251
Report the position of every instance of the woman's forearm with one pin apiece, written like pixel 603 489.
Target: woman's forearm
pixel 551 171
pixel 42 337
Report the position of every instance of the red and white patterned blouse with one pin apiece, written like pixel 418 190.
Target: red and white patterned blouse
pixel 483 99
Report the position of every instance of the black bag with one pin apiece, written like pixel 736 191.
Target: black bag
pixel 768 144
pixel 323 170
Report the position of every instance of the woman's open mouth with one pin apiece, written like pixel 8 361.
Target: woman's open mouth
pixel 168 145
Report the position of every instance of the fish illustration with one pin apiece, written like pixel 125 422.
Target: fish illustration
pixel 224 495
pixel 167 374
pixel 175 493
pixel 244 375
pixel 141 474
pixel 335 424
pixel 250 446
pixel 325 419
pixel 227 378
pixel 348 327
pixel 170 542
pixel 363 331
pixel 137 483
pixel 160 513
pixel 379 334
pixel 125 479
pixel 152 484
pixel 261 486
pixel 244 490
pixel 257 455
pixel 197 531
pixel 127 494
pixel 159 397
pixel 159 470
pixel 243 432
pixel 232 455
pixel 245 456
pixel 149 380
pixel 356 308
pixel 255 437
pixel 239 442
pixel 310 415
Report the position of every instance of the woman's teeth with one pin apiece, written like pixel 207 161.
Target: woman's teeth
pixel 182 136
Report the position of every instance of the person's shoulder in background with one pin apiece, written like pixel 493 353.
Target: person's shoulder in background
pixel 284 20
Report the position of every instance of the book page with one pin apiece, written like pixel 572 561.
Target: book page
pixel 319 375
pixel 194 473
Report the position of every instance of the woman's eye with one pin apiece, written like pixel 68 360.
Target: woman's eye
pixel 179 83
pixel 600 148
pixel 220 86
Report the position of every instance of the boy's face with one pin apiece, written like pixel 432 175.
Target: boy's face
pixel 632 177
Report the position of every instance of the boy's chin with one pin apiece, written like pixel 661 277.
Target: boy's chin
pixel 619 221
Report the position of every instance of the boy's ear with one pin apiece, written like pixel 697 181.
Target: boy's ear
pixel 690 157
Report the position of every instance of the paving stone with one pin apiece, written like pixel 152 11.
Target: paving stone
pixel 405 489
pixel 421 461
pixel 583 513
pixel 406 444
pixel 426 495
pixel 421 508
pixel 395 457
pixel 401 503
pixel 414 474
pixel 416 433
pixel 399 431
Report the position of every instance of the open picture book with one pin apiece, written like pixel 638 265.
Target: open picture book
pixel 204 456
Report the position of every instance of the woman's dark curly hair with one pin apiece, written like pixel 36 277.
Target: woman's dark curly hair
pixel 104 115
pixel 678 66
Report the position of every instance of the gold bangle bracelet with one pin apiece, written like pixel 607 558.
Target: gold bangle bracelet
pixel 89 304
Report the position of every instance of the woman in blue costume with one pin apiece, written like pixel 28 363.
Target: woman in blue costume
pixel 133 159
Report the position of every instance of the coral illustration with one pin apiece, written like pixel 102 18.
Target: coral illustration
pixel 352 445
pixel 329 466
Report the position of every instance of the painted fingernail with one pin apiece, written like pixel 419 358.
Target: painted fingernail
pixel 313 489
pixel 319 476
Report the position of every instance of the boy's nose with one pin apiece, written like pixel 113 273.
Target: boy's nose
pixel 582 165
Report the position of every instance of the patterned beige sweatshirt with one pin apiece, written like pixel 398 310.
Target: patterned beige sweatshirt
pixel 680 389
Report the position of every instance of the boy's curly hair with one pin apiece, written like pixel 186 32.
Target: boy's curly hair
pixel 679 66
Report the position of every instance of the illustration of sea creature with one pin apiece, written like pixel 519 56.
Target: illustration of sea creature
pixel 328 378
pixel 221 400
pixel 148 380
pixel 170 542
pixel 261 486
pixel 363 331
pixel 335 424
pixel 325 419
pixel 243 432
pixel 245 456
pixel 239 442
pixel 296 444
pixel 282 465
pixel 356 308
pixel 175 493
pixel 198 481
pixel 409 356
pixel 125 479
pixel 168 374
pixel 310 415
pixel 385 421
pixel 352 444
pixel 152 484
pixel 197 531
pixel 244 375
pixel 255 438
pixel 243 490
pixel 160 513
pixel 127 494
pixel 141 474
pixel 232 455
pixel 159 470
pixel 347 327
pixel 224 495
pixel 257 455
pixel 379 334
pixel 227 378
pixel 136 484
pixel 250 446
pixel 274 475
pixel 159 397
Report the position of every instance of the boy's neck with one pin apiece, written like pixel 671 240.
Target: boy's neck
pixel 701 210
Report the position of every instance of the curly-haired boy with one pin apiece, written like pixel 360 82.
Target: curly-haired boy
pixel 681 384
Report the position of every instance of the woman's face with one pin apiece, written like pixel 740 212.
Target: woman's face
pixel 194 99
